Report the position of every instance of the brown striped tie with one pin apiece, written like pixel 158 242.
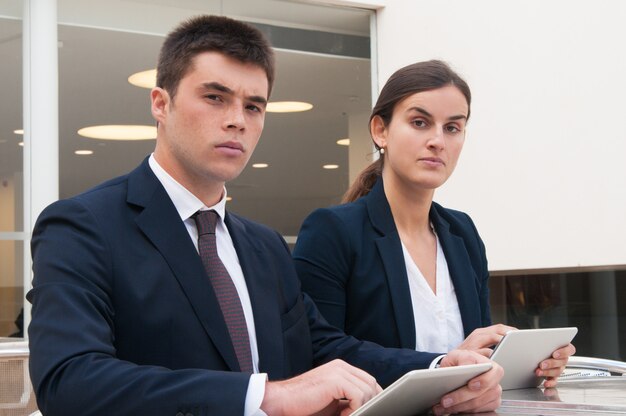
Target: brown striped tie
pixel 224 288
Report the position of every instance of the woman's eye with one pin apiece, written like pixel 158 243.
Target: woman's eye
pixel 419 123
pixel 453 129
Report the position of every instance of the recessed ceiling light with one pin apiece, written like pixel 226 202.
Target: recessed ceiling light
pixel 119 132
pixel 21 144
pixel 18 131
pixel 343 142
pixel 229 198
pixel 83 152
pixel 260 165
pixel 330 166
pixel 288 107
pixel 143 79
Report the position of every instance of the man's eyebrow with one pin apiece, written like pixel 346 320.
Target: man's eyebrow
pixel 223 88
pixel 217 86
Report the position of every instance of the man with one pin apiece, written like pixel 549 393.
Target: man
pixel 127 316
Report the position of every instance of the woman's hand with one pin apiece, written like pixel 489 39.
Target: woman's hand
pixel 482 338
pixel 552 368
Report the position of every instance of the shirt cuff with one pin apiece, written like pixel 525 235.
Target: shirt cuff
pixel 255 394
pixel 436 361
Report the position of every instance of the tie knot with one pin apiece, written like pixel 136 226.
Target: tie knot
pixel 205 221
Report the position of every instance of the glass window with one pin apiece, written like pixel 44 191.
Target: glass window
pixel 11 158
pixel 322 59
pixel 591 301
pixel 11 170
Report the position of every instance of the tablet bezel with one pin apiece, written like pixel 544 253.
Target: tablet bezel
pixel 520 351
pixel 419 390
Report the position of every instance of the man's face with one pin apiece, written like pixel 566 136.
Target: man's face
pixel 208 132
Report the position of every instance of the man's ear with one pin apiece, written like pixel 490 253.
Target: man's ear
pixel 160 104
pixel 378 131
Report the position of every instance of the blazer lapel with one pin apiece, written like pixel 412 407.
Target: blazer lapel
pixel 261 282
pixel 390 250
pixel 161 224
pixel 461 271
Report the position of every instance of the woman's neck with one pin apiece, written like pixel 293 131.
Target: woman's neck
pixel 409 205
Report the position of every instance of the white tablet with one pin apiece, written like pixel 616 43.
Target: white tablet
pixel 419 390
pixel 519 352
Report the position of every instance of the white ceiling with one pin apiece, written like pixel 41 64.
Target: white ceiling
pixel 94 64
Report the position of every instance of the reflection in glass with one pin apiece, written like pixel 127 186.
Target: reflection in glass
pixel 591 301
pixel 11 153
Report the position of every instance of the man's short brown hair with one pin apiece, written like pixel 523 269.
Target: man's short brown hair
pixel 229 37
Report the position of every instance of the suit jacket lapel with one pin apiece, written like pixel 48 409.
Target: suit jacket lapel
pixel 461 271
pixel 390 250
pixel 262 287
pixel 161 224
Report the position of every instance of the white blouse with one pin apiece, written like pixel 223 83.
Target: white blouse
pixel 438 324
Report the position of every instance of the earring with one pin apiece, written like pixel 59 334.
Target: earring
pixel 382 150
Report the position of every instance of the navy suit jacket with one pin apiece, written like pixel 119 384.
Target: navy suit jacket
pixel 350 261
pixel 125 321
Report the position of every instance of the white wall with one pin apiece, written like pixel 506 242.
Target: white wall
pixel 543 172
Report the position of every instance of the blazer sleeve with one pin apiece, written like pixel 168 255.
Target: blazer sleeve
pixel 73 363
pixel 322 257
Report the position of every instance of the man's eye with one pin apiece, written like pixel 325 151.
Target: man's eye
pixel 254 108
pixel 213 97
pixel 453 129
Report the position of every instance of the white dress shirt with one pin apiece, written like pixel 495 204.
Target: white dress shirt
pixel 188 204
pixel 438 324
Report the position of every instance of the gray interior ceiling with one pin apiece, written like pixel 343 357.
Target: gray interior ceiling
pixel 94 65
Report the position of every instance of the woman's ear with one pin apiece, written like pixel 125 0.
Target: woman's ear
pixel 160 101
pixel 378 131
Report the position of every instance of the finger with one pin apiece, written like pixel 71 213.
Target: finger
pixel 476 402
pixel 364 376
pixel 565 352
pixel 477 387
pixel 486 352
pixel 355 386
pixel 551 368
pixel 550 382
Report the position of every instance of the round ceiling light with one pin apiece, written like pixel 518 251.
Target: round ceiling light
pixel 143 79
pixel 288 107
pixel 119 132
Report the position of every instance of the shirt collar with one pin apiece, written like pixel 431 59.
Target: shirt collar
pixel 185 202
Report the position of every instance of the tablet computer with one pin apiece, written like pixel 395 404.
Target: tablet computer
pixel 519 352
pixel 419 390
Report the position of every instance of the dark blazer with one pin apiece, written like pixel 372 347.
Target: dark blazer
pixel 125 321
pixel 350 261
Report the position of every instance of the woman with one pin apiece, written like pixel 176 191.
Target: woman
pixel 391 266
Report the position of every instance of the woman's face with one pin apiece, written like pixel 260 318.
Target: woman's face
pixel 424 139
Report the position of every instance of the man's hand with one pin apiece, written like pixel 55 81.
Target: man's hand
pixel 552 368
pixel 333 388
pixel 482 394
pixel 482 338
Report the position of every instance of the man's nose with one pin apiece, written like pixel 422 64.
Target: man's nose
pixel 235 118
